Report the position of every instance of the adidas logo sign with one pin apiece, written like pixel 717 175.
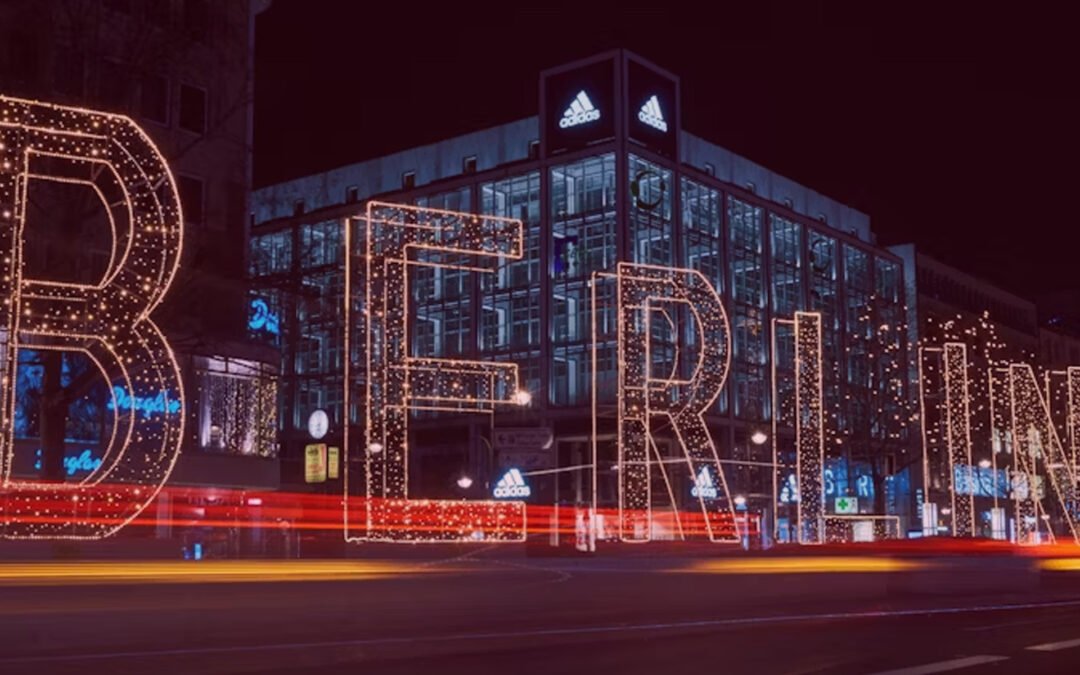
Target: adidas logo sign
pixel 703 485
pixel 650 114
pixel 512 485
pixel 581 111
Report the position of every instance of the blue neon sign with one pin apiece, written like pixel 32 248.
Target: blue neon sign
pixel 163 403
pixel 262 319
pixel 84 462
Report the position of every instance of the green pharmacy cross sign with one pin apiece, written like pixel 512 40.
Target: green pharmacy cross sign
pixel 847 505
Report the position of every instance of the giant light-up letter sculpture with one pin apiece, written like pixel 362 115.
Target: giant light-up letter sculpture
pixel 803 409
pixel 809 427
pixel 958 437
pixel 1063 398
pixel 951 426
pixel 397 383
pixel 1035 438
pixel 642 291
pixel 108 321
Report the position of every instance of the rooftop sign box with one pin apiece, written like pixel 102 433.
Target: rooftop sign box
pixel 613 95
pixel 579 106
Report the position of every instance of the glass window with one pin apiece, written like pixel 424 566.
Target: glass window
pixel 321 244
pixel 192 109
pixel 582 209
pixel 517 197
pixel 786 247
pixel 747 275
pixel 191 198
pixel 114 88
pixel 271 253
pixel 154 98
pixel 321 393
pixel 649 195
pixel 237 407
pixel 700 208
pixel 887 277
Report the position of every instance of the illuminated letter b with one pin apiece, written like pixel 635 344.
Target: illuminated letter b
pixel 108 321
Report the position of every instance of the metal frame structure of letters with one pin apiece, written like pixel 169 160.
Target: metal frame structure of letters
pixel 805 413
pixel 398 238
pixel 1035 439
pixel 642 291
pixel 108 321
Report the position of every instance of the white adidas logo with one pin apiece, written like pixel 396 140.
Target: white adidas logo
pixel 650 114
pixel 581 111
pixel 703 485
pixel 512 485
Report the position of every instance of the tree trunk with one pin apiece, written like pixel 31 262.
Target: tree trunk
pixel 54 409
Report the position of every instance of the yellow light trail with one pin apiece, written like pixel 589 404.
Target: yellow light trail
pixel 809 565
pixel 1060 565
pixel 209 571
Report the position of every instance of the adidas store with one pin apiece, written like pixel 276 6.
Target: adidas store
pixel 604 173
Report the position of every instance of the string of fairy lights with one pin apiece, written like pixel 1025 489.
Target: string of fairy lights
pixel 974 392
pixel 108 321
pixel 643 291
pixel 958 437
pixel 398 238
pixel 1037 441
pixel 809 427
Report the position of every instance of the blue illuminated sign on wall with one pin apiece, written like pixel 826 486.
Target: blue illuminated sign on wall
pixel 84 462
pixel 836 482
pixel 164 402
pixel 980 481
pixel 262 319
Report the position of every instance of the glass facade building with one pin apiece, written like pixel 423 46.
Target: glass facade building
pixel 769 246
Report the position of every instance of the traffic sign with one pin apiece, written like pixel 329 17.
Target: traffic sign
pixel 523 438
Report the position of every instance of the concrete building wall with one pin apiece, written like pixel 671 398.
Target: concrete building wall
pixel 117 57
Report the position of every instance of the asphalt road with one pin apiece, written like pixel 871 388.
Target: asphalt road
pixel 551 617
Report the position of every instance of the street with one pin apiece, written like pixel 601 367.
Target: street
pixel 465 615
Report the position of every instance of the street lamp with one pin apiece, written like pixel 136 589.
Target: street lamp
pixel 759 437
pixel 464 482
pixel 523 397
pixel 984 464
pixel 740 500
pixel 375 448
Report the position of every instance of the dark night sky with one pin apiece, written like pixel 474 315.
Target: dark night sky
pixel 957 132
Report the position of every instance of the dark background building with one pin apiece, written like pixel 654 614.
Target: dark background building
pixel 183 71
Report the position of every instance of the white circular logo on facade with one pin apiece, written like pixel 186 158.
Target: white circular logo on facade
pixel 318 424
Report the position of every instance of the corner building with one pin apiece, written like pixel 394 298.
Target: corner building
pixel 603 174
